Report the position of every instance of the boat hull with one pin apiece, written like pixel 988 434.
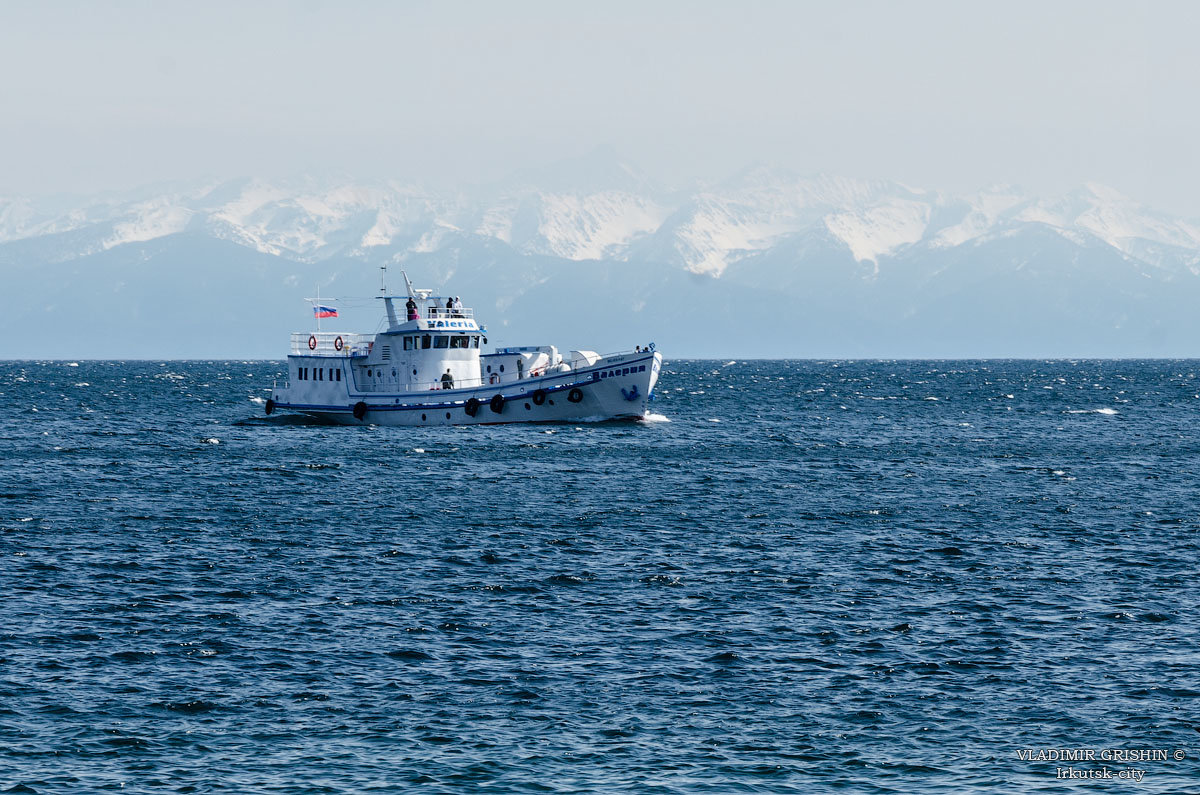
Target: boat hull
pixel 612 388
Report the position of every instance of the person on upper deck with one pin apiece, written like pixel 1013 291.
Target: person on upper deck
pixel 457 307
pixel 449 306
pixel 447 380
pixel 411 306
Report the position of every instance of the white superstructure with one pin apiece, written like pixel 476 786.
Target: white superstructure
pixel 428 368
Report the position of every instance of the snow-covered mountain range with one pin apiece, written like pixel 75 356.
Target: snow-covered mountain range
pixel 826 266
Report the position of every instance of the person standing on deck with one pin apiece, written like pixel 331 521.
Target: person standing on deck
pixel 447 380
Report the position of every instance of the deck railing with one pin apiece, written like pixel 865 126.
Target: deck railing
pixel 566 374
pixel 331 343
pixel 442 313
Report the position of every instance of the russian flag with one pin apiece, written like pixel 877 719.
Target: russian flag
pixel 324 311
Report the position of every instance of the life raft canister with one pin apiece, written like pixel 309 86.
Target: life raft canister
pixel 312 342
pixel 360 410
pixel 496 404
pixel 337 344
pixel 539 397
pixel 575 395
pixel 472 407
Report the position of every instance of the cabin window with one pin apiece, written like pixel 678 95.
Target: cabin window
pixel 426 341
pixel 460 342
pixel 475 341
pixel 320 373
pixel 441 341
pixel 408 343
pixel 339 374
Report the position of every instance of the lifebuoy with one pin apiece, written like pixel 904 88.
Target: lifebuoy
pixel 270 406
pixel 494 378
pixel 472 407
pixel 575 395
pixel 360 410
pixel 539 397
pixel 497 403
pixel 337 344
pixel 312 342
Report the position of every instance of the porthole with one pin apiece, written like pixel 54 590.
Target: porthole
pixel 502 368
pixel 489 368
pixel 447 415
pixel 551 402
pixel 422 418
pixel 393 372
pixel 528 407
pixel 414 371
pixel 368 373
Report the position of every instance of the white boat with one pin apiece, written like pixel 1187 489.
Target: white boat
pixel 429 369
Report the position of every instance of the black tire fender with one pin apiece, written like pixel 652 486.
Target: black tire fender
pixel 575 395
pixel 472 407
pixel 496 404
pixel 539 397
pixel 360 410
pixel 270 406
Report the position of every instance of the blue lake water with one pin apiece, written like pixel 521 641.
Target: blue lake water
pixel 816 576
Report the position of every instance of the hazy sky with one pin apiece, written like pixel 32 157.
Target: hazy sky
pixel 953 95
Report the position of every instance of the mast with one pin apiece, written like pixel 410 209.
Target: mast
pixel 387 299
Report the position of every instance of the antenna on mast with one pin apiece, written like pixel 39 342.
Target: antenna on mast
pixel 383 279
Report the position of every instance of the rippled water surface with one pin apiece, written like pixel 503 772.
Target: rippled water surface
pixel 816 576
